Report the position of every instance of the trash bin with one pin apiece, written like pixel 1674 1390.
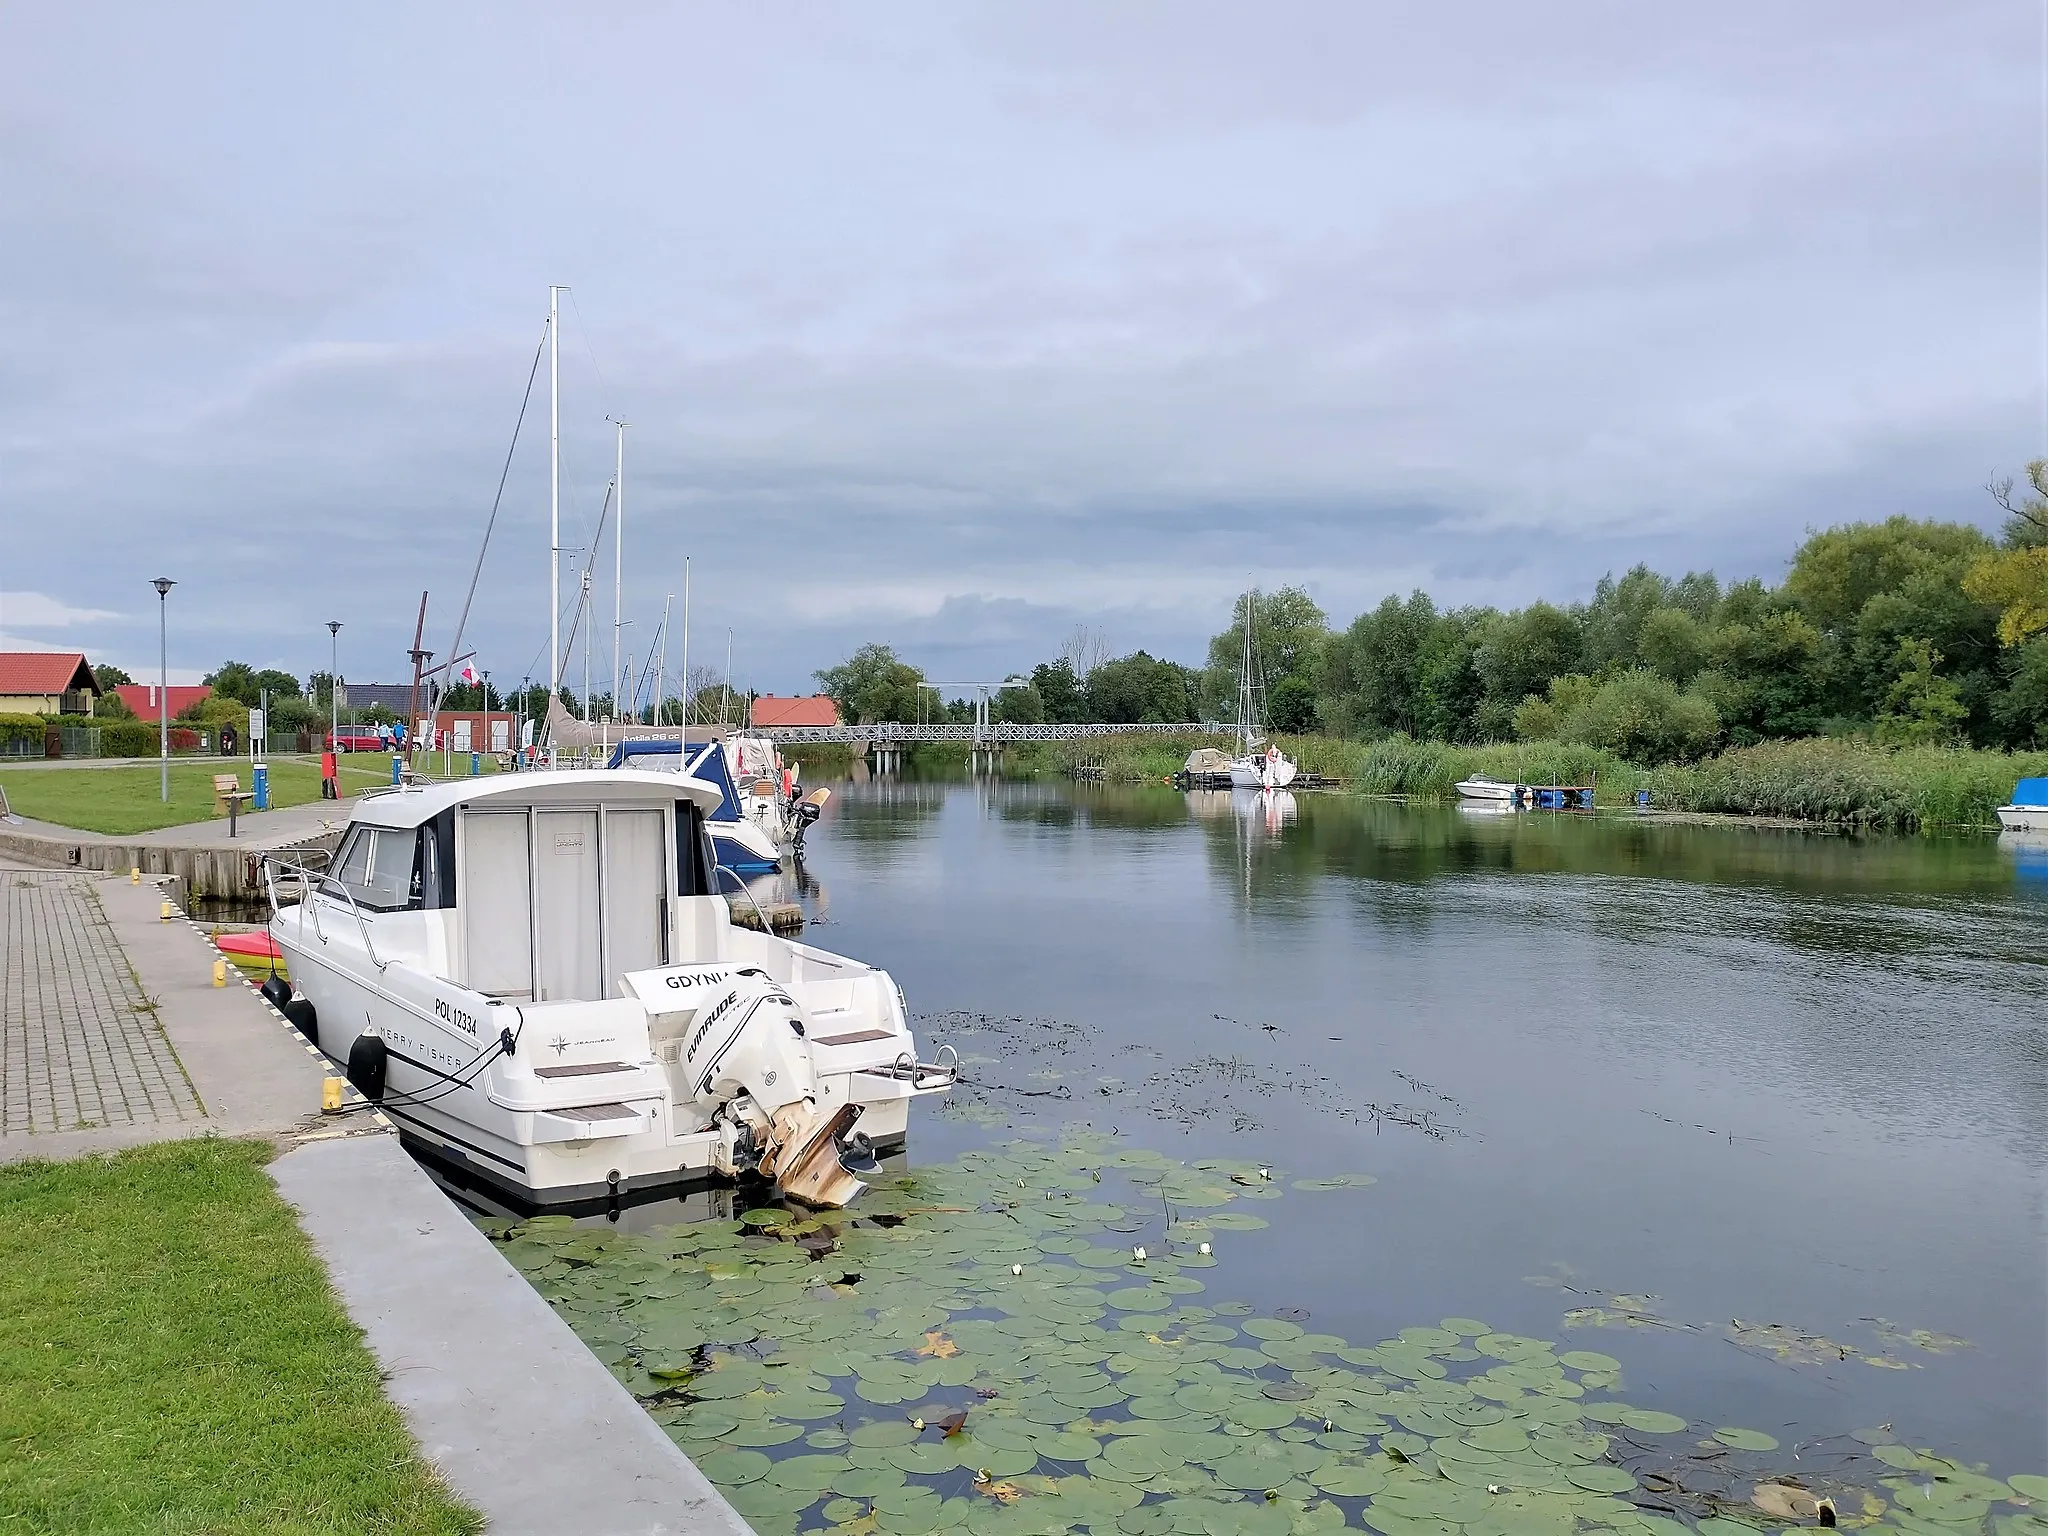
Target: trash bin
pixel 397 767
pixel 261 786
pixel 476 764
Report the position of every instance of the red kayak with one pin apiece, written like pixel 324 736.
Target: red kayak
pixel 250 946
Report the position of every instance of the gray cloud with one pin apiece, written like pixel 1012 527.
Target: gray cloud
pixel 955 327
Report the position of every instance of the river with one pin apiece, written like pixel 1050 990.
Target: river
pixel 1757 1117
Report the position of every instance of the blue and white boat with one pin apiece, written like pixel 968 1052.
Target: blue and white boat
pixel 2028 811
pixel 743 834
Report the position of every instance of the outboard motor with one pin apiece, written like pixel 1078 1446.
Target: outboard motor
pixel 747 1058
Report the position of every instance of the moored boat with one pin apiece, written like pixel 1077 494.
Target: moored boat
pixel 1489 789
pixel 535 977
pixel 2028 809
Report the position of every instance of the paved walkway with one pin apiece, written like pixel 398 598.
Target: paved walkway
pixel 114 1035
pixel 80 1045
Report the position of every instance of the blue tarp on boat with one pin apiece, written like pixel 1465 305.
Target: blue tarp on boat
pixel 2030 792
pixel 704 762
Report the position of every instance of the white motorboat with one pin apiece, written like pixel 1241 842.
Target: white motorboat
pixel 533 975
pixel 1489 789
pixel 2028 811
pixel 1252 768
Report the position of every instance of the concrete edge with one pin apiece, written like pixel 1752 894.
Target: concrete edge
pixel 517 1415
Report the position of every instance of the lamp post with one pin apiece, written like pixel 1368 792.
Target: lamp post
pixel 163 585
pixel 334 685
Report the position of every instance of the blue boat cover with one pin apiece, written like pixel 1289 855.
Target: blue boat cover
pixel 705 763
pixel 2030 792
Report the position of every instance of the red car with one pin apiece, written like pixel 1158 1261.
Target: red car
pixel 355 738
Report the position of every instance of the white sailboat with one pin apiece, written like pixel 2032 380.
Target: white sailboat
pixel 1254 768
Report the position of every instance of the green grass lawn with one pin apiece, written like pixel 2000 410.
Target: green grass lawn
pixel 172 1360
pixel 126 799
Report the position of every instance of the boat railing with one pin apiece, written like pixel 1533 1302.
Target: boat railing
pixel 309 870
pixel 748 893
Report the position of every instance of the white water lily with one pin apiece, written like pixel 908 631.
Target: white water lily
pixel 1138 1254
pixel 1205 1248
pixel 1016 1269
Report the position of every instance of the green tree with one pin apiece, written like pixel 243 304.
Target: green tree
pixel 1517 654
pixel 1060 691
pixel 1673 644
pixel 1371 671
pixel 2026 518
pixel 1921 706
pixel 873 685
pixel 1448 689
pixel 1612 623
pixel 110 678
pixel 1636 714
pixel 2022 709
pixel 1291 706
pixel 239 681
pixel 1019 706
pixel 1288 637
pixel 1142 689
pixel 1836 573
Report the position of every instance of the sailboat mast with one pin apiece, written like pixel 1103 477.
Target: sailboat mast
pixel 661 670
pixel 618 566
pixel 554 488
pixel 686 640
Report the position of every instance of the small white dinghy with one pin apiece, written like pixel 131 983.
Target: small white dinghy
pixel 534 977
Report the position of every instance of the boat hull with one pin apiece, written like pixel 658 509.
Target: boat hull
pixel 1488 789
pixel 1262 773
pixel 2023 818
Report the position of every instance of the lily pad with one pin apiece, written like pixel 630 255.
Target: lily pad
pixel 1337 1181
pixel 1745 1439
pixel 1653 1421
pixel 2029 1485
pixel 1602 1477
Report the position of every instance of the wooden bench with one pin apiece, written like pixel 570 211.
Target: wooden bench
pixel 229 797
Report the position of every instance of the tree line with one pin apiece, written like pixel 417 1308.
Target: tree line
pixel 1904 632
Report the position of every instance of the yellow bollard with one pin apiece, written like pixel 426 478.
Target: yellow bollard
pixel 134 875
pixel 169 911
pixel 220 973
pixel 330 1096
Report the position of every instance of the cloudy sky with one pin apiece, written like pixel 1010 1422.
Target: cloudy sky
pixel 954 326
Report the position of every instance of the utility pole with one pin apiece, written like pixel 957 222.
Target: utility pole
pixel 163 585
pixel 686 646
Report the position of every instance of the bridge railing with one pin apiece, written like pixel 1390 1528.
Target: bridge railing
pixel 889 733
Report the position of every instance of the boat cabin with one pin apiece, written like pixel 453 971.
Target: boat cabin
pixel 540 887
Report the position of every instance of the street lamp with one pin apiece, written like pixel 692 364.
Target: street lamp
pixel 163 585
pixel 334 685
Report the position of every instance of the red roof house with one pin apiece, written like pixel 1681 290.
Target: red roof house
pixel 142 697
pixel 769 711
pixel 46 683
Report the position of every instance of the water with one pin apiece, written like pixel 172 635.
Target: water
pixel 1744 1109
pixel 1784 1077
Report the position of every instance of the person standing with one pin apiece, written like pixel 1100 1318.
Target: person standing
pixel 330 781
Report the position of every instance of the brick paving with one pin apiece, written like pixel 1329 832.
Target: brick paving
pixel 79 1048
